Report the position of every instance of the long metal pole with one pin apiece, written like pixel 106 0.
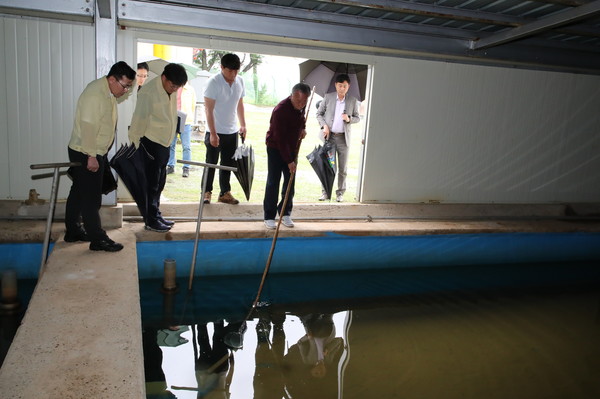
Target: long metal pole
pixel 285 201
pixel 198 222
pixel 201 208
pixel 53 194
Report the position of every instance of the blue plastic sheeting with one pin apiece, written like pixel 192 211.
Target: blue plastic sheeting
pixel 25 258
pixel 337 253
pixel 230 297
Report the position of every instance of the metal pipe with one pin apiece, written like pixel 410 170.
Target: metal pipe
pixel 170 275
pixel 201 207
pixel 9 300
pixel 53 195
pixel 54 165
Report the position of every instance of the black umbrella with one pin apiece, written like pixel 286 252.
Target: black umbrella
pixel 130 165
pixel 244 162
pixel 322 159
pixel 321 75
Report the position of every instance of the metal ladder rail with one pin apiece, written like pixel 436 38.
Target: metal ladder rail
pixel 53 195
pixel 206 166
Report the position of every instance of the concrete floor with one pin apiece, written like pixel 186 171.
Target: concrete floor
pixel 81 336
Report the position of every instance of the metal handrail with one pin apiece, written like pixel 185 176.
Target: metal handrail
pixel 53 195
pixel 201 207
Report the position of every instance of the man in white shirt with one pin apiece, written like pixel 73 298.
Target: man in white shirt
pixel 223 101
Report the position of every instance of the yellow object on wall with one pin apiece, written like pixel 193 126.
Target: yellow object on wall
pixel 163 51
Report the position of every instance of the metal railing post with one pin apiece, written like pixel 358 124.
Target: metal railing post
pixel 53 196
pixel 201 208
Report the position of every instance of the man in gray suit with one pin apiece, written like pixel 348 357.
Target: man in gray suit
pixel 336 114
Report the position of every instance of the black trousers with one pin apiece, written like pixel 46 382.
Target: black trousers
pixel 85 197
pixel 156 176
pixel 227 146
pixel 276 167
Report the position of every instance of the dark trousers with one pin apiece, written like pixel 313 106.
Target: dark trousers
pixel 227 146
pixel 85 197
pixel 156 176
pixel 276 167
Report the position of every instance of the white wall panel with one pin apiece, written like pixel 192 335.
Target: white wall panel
pixel 462 133
pixel 43 69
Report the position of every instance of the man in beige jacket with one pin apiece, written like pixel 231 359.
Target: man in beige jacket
pixel 153 126
pixel 93 134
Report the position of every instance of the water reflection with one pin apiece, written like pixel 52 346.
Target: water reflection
pixel 282 356
pixel 526 342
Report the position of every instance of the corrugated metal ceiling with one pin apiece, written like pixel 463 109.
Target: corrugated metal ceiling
pixel 562 35
pixel 549 33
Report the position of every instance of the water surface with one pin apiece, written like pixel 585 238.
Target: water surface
pixel 519 331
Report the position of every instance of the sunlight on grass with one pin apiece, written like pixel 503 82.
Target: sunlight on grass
pixel 308 187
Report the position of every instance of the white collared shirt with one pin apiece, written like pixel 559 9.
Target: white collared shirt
pixel 338 122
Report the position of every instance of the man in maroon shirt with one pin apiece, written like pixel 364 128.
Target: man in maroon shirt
pixel 286 129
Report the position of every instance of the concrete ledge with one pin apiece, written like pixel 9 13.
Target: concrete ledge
pixel 346 210
pixel 80 337
pixel 111 216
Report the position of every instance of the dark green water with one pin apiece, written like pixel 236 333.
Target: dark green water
pixel 518 331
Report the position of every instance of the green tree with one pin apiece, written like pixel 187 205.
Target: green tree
pixel 209 59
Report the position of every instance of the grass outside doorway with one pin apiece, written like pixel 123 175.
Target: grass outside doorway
pixel 308 187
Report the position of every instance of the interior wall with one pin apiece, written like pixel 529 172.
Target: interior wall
pixel 436 131
pixel 474 134
pixel 44 67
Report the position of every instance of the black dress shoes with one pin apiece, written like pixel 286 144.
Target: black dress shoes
pixel 168 223
pixel 157 226
pixel 76 235
pixel 107 245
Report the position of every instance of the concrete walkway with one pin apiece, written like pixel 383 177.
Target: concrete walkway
pixel 81 336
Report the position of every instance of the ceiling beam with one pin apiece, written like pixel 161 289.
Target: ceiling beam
pixel 543 24
pixel 430 10
pixel 69 10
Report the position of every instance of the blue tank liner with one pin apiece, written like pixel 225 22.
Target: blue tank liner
pixel 230 297
pixel 335 252
pixel 24 257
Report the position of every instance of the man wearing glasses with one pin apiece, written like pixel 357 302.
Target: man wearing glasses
pixel 93 134
pixel 153 127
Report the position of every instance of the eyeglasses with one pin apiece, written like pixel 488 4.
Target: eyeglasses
pixel 125 87
pixel 173 86
pixel 141 76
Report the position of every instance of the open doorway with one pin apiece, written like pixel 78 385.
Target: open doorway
pixel 268 79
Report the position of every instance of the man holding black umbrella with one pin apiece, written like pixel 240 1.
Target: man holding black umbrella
pixel 286 129
pixel 153 126
pixel 93 134
pixel 336 113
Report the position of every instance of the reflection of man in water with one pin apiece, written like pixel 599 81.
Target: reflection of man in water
pixel 311 364
pixel 212 363
pixel 156 387
pixel 268 378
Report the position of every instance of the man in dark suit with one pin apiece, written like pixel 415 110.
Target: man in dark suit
pixel 336 113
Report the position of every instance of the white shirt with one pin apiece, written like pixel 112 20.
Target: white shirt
pixel 338 122
pixel 226 101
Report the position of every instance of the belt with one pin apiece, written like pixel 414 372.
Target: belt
pixel 337 134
